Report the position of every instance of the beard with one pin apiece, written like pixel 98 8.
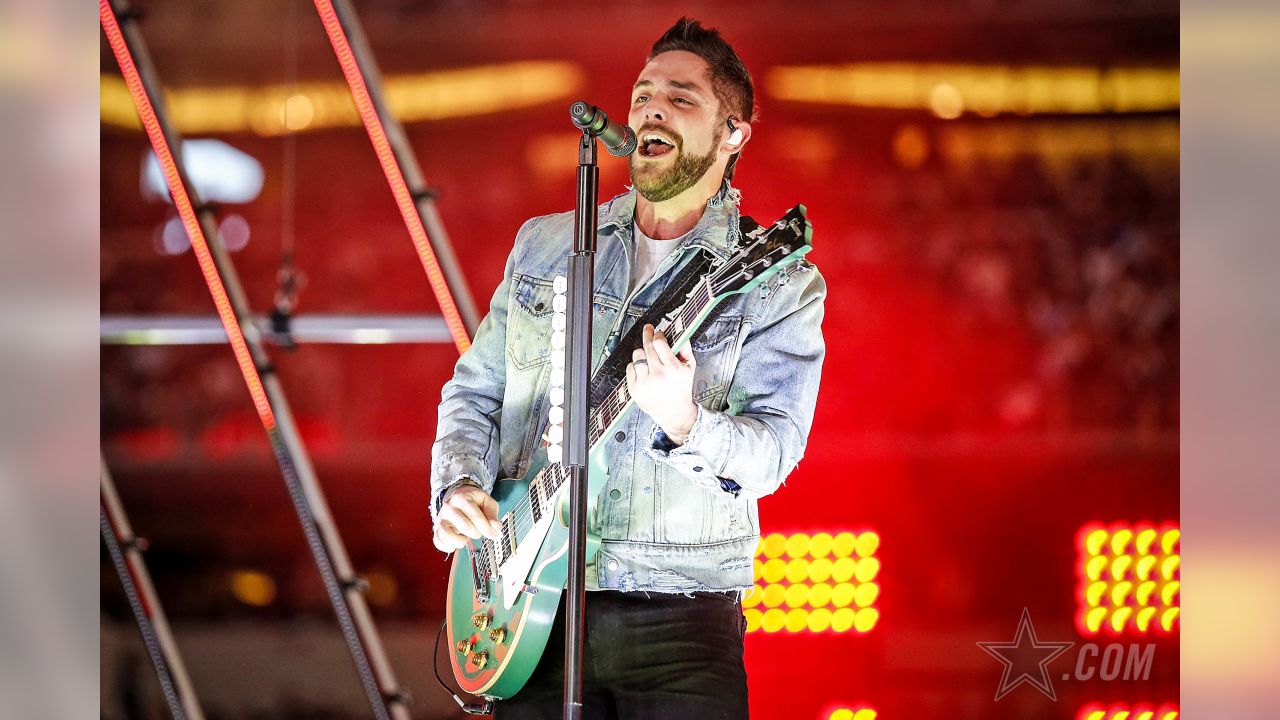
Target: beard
pixel 657 184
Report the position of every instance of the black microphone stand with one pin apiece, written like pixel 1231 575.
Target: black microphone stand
pixel 577 376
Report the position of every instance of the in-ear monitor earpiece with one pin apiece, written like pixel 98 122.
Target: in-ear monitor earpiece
pixel 735 135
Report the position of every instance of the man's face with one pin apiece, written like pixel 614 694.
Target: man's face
pixel 677 120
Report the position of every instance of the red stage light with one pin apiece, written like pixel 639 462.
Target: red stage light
pixel 816 584
pixel 1128 578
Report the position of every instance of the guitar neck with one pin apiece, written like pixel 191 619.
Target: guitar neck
pixel 677 327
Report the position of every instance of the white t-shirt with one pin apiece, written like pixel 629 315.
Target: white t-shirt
pixel 649 255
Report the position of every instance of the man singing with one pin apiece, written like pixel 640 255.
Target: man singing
pixel 717 426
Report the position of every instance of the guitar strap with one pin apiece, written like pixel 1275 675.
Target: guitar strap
pixel 614 369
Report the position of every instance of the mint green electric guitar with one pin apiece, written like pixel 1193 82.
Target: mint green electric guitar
pixel 504 593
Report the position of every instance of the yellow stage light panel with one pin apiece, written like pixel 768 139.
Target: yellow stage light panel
pixel 1128 578
pixel 819 582
pixel 1126 711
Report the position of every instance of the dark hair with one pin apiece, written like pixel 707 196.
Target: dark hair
pixel 730 80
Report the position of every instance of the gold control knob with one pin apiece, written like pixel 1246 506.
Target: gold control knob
pixel 497 635
pixel 479 659
pixel 464 646
pixel 481 621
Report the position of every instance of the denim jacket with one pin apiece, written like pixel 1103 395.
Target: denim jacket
pixel 672 518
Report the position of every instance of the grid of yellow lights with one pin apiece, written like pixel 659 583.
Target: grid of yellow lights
pixel 1098 711
pixel 1128 579
pixel 818 583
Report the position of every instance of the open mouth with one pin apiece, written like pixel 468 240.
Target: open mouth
pixel 655 146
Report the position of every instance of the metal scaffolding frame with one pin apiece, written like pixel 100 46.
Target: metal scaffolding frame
pixel 303 329
pixel 344 589
pixel 364 78
pixel 125 550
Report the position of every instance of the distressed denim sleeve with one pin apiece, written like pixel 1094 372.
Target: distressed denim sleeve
pixel 753 445
pixel 466 445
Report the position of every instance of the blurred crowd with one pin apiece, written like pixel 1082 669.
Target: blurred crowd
pixel 1061 287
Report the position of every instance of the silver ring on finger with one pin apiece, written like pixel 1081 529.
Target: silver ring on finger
pixel 639 362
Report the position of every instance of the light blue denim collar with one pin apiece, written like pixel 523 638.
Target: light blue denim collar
pixel 716 231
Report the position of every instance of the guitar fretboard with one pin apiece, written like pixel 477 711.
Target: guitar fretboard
pixel 674 327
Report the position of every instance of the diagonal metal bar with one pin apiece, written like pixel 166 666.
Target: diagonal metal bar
pixel 385 696
pixel 125 550
pixel 415 200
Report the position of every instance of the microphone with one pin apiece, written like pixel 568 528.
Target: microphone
pixel 618 139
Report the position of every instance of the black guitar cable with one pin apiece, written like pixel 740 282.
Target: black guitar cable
pixel 485 708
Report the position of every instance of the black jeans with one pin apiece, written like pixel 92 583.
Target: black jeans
pixel 653 655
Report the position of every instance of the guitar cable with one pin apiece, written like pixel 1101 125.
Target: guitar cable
pixel 484 708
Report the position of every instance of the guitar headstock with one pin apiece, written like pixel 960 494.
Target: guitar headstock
pixel 763 249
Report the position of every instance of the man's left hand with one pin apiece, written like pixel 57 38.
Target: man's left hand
pixel 661 382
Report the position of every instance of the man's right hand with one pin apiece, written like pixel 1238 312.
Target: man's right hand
pixel 467 513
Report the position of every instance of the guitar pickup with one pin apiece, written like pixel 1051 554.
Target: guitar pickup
pixel 479 581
